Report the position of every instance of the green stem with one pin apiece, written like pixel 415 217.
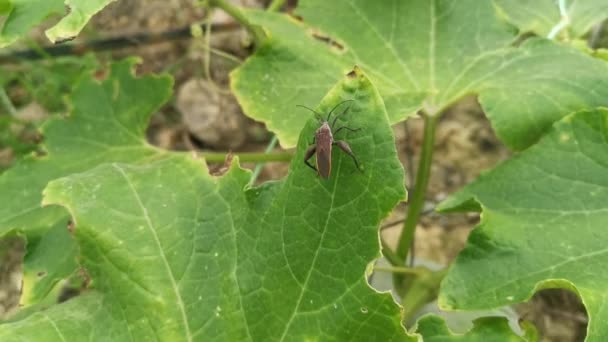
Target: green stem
pixel 224 55
pixel 401 270
pixel 389 254
pixel 259 166
pixel 256 157
pixel 422 181
pixel 423 289
pixel 256 31
pixel 275 5
pixel 207 57
pixel 6 102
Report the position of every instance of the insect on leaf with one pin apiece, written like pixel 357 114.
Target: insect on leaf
pixel 175 254
pixel 419 54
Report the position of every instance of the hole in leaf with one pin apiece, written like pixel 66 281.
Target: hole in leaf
pixel 11 263
pixel 67 293
pixel 558 314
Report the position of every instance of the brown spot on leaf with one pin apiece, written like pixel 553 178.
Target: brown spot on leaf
pixel 86 278
pixel 327 40
pixel 296 17
pixel 71 226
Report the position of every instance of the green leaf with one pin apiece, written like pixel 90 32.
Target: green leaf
pixel 81 11
pixel 11 136
pixel 25 14
pixel 5 6
pixel 542 16
pixel 50 259
pixel 176 254
pixel 433 329
pixel 106 125
pixel 543 224
pixel 48 82
pixel 421 54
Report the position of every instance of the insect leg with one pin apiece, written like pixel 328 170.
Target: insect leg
pixel 309 153
pixel 317 115
pixel 343 145
pixel 338 115
pixel 346 128
pixel 338 105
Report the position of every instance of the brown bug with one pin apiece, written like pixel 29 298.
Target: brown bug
pixel 324 140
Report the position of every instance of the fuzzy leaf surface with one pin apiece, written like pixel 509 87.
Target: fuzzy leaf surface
pixel 543 224
pixel 421 54
pixel 175 254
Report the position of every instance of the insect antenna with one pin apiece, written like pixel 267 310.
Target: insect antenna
pixel 338 105
pixel 319 116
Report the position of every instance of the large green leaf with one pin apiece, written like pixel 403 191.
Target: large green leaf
pixel 542 16
pixel 176 254
pixel 543 224
pixel 23 15
pixel 107 124
pixel 420 54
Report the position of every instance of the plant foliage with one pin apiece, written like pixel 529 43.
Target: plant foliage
pixel 23 15
pixel 421 54
pixel 176 254
pixel 543 226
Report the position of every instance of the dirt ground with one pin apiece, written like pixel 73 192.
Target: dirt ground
pixel 465 141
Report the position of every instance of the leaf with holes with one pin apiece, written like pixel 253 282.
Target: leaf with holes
pixel 106 125
pixel 23 15
pixel 421 54
pixel 543 224
pixel 175 254
pixel 544 16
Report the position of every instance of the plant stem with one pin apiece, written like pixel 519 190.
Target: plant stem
pixel 275 5
pixel 259 166
pixel 423 289
pixel 388 253
pixel 219 157
pixel 419 191
pixel 401 270
pixel 207 56
pixel 6 102
pixel 256 31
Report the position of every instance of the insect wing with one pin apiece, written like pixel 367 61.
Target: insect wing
pixel 324 156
